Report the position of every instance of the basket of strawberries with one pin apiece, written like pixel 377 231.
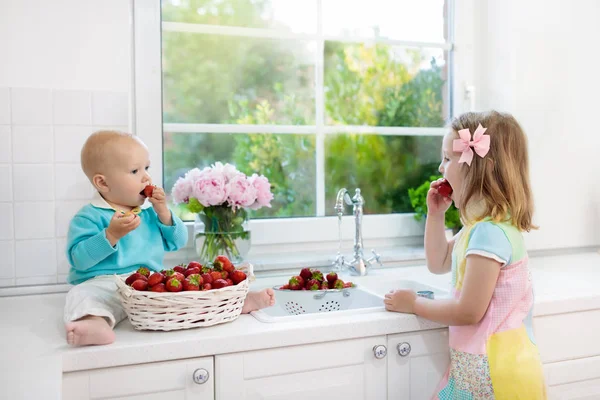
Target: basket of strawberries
pixel 312 292
pixel 187 296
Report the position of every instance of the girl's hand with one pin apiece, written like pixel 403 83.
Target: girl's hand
pixel 159 202
pixel 436 203
pixel 402 300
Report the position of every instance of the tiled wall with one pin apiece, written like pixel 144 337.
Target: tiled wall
pixel 41 182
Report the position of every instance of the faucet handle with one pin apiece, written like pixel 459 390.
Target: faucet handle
pixel 376 257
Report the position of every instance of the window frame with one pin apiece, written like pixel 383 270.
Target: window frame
pixel 147 117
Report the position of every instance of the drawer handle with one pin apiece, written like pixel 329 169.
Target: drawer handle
pixel 200 376
pixel 403 349
pixel 380 351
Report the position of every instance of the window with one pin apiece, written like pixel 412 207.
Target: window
pixel 314 94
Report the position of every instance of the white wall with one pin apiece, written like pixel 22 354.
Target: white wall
pixel 65 72
pixel 538 59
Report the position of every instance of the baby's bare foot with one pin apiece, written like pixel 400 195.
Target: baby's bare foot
pixel 89 330
pixel 257 300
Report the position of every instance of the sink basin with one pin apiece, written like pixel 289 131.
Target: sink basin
pixel 384 286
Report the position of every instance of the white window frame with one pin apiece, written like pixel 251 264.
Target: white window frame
pixel 293 233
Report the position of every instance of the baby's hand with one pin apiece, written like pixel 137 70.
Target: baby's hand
pixel 120 225
pixel 159 202
pixel 436 203
pixel 402 300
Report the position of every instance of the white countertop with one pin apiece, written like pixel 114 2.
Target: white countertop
pixel 34 344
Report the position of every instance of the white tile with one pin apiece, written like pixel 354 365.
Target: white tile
pixel 32 144
pixel 110 108
pixel 7 259
pixel 65 210
pixel 6 193
pixel 35 258
pixel 7 282
pixel 5 144
pixel 36 280
pixel 6 221
pixel 31 106
pixel 61 256
pixel 33 182
pixel 4 106
pixel 68 141
pixel 34 220
pixel 72 107
pixel 61 278
pixel 71 183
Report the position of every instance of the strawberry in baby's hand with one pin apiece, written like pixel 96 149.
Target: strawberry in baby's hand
pixel 148 190
pixel 444 189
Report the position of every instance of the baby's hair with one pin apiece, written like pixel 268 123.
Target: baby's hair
pixel 501 178
pixel 98 149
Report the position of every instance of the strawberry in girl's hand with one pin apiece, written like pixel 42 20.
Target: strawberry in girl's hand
pixel 222 263
pixel 140 284
pixel 159 287
pixel 238 276
pixel 306 274
pixel 156 278
pixel 444 189
pixel 134 277
pixel 174 285
pixel 148 190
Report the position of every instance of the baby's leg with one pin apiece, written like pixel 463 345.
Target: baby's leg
pixel 257 300
pixel 89 330
pixel 92 310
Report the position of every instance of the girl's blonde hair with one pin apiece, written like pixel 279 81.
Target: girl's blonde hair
pixel 501 178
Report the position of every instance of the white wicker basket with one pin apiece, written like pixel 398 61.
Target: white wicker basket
pixel 168 311
pixel 296 302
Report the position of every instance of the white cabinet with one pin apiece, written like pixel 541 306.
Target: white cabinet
pixel 172 380
pixel 345 370
pixel 416 363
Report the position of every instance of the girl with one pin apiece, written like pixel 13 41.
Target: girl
pixel 492 348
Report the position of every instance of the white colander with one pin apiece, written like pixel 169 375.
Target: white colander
pixel 296 302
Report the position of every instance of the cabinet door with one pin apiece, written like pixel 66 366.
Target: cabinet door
pixel 416 364
pixel 342 370
pixel 577 379
pixel 172 380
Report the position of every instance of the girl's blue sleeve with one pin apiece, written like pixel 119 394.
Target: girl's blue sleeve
pixel 489 240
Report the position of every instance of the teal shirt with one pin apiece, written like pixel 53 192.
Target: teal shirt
pixel 91 254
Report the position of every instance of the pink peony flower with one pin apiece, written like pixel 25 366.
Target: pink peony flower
pixel 228 171
pixel 263 191
pixel 210 188
pixel 241 192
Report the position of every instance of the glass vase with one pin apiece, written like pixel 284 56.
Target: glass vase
pixel 219 230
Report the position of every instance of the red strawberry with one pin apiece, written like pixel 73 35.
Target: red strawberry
pixel 339 284
pixel 206 270
pixel 216 275
pixel 348 285
pixel 180 277
pixel 306 274
pixel 174 285
pixel 160 287
pixel 222 263
pixel 324 285
pixel 191 283
pixel 144 271
pixel 167 273
pixel 285 287
pixel 191 271
pixel 156 278
pixel 140 284
pixel 194 264
pixel 238 276
pixel 134 277
pixel 206 286
pixel 179 268
pixel 296 282
pixel 219 283
pixel 444 189
pixel 229 282
pixel 207 278
pixel 317 275
pixel 224 275
pixel 332 277
pixel 148 190
pixel 313 284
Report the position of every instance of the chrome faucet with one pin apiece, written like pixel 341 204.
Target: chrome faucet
pixel 358 264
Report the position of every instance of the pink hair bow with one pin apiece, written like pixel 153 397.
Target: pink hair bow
pixel 480 143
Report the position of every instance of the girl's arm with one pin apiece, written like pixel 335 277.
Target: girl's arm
pixel 481 274
pixel 438 250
